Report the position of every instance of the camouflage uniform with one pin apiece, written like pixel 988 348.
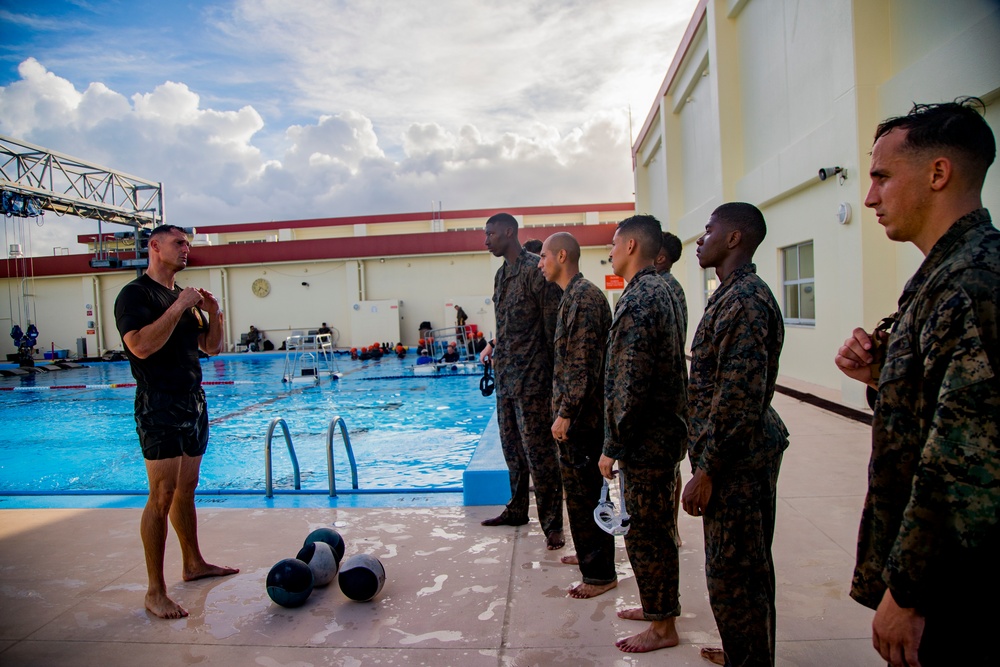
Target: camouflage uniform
pixel 525 306
pixel 678 292
pixel 645 399
pixel 578 395
pixel 929 530
pixel 738 439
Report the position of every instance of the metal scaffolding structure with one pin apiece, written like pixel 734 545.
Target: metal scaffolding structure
pixel 67 185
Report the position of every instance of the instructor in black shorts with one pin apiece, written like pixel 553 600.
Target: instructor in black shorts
pixel 163 327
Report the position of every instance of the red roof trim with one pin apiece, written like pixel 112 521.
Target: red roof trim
pixel 357 247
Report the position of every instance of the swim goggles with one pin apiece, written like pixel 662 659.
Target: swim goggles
pixel 608 519
pixel 486 384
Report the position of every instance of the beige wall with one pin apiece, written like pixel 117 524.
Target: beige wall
pixel 770 91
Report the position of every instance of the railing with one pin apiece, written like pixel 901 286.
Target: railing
pixel 278 421
pixel 339 421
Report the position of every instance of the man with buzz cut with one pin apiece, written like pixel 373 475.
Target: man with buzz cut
pixel 645 403
pixel 163 327
pixel 521 354
pixel 582 326
pixel 929 543
pixel 736 439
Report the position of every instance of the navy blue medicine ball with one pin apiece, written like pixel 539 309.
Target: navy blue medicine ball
pixel 331 537
pixel 361 577
pixel 289 582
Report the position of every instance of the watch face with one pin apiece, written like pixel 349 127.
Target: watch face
pixel 261 287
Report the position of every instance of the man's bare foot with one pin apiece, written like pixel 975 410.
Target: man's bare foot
pixel 570 560
pixel 555 540
pixel 584 591
pixel 716 656
pixel 209 570
pixel 164 607
pixel 650 639
pixel 634 614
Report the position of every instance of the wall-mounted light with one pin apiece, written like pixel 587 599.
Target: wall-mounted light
pixel 844 213
pixel 382 261
pixel 305 284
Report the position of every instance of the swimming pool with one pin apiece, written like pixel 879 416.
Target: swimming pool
pixel 72 431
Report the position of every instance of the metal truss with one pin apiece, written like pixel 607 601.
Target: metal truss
pixel 68 185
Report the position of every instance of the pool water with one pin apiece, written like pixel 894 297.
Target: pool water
pixel 407 431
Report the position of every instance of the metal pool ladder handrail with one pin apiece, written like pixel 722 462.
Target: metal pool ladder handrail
pixel 278 421
pixel 329 454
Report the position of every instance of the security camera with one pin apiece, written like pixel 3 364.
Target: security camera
pixel 827 172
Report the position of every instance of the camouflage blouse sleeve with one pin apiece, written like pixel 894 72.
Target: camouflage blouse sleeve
pixel 583 360
pixel 740 396
pixel 629 376
pixel 955 498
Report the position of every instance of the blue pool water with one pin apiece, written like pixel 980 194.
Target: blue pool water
pixel 407 431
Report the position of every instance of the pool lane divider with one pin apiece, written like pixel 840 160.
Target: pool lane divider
pixel 116 385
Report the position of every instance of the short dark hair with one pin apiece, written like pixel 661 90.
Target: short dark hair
pixel 646 230
pixel 503 219
pixel 744 217
pixel 671 245
pixel 956 126
pixel 167 229
pixel 533 245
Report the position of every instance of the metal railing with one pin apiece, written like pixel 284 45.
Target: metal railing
pixel 278 421
pixel 339 421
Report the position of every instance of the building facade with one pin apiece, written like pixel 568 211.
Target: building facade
pixel 764 94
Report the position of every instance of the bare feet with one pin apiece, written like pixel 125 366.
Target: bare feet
pixel 716 656
pixel 164 607
pixel 570 560
pixel 634 614
pixel 208 570
pixel 584 591
pixel 659 634
pixel 555 540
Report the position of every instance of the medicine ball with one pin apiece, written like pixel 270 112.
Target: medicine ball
pixel 361 577
pixel 289 582
pixel 321 560
pixel 331 537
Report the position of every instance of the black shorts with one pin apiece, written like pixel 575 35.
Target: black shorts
pixel 170 425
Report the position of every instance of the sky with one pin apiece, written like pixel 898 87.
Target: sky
pixel 260 110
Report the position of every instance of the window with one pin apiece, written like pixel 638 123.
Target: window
pixel 799 284
pixel 711 282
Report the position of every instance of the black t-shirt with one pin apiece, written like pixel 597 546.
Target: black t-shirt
pixel 174 367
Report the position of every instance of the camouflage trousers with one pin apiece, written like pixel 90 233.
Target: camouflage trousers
pixel 739 529
pixel 529 449
pixel 595 549
pixel 651 541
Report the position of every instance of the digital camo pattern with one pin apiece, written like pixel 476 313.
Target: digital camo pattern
pixel 929 529
pixel 526 306
pixel 645 386
pixel 675 288
pixel 737 439
pixel 734 366
pixel 578 395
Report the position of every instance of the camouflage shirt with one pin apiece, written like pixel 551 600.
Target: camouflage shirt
pixel 678 292
pixel 645 386
pixel 525 306
pixel 929 529
pixel 580 342
pixel 734 366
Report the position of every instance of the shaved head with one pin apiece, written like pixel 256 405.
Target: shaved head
pixel 564 241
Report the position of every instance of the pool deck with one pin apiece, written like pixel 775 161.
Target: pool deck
pixel 72 583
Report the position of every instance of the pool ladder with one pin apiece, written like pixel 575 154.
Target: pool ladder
pixel 334 423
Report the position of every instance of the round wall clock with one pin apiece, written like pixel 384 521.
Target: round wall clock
pixel 261 287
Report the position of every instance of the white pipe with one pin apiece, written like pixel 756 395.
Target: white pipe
pixel 98 329
pixel 228 333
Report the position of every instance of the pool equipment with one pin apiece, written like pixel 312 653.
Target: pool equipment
pixel 330 537
pixel 487 384
pixel 605 514
pixel 321 560
pixel 289 583
pixel 361 577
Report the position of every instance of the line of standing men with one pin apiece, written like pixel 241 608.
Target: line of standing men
pixel 619 395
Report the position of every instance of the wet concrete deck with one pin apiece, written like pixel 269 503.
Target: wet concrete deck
pixel 72 583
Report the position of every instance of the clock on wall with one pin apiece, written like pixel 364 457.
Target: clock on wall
pixel 261 287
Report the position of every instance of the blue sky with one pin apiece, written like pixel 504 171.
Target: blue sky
pixel 251 110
